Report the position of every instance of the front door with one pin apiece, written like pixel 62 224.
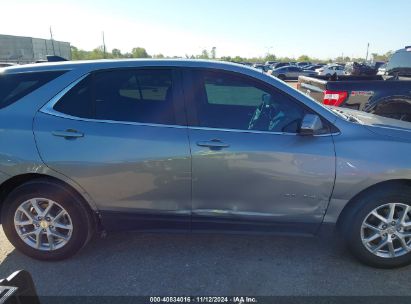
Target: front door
pixel 122 136
pixel 251 169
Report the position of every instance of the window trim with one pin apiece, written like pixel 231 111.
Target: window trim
pixel 48 108
pixel 191 76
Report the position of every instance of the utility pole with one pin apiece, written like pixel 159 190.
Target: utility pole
pixel 52 41
pixel 104 47
pixel 366 56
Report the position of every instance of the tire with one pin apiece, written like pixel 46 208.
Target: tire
pixel 354 231
pixel 396 107
pixel 281 77
pixel 73 221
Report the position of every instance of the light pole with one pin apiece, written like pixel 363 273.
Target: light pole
pixel 52 41
pixel 104 47
pixel 366 56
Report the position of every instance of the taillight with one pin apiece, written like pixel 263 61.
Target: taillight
pixel 334 98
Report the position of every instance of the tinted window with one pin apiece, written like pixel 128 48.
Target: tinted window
pixel 15 86
pixel 77 102
pixel 236 102
pixel 123 95
pixel 135 95
pixel 294 69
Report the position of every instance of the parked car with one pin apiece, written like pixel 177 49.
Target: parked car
pixel 289 72
pixel 193 146
pixel 279 65
pixel 313 67
pixel 303 64
pixel 270 62
pixel 388 95
pixel 328 70
pixel 262 67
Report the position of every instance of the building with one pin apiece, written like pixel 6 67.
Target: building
pixel 27 49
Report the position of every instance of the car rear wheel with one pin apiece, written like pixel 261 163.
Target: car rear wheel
pixel 396 108
pixel 281 77
pixel 377 229
pixel 46 220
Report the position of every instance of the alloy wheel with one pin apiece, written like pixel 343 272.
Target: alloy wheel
pixel 43 224
pixel 386 230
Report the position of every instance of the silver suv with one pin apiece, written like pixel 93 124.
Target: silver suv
pixel 193 146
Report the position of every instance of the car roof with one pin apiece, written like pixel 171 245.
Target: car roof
pixel 125 63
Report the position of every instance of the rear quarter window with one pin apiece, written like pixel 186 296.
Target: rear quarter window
pixel 15 86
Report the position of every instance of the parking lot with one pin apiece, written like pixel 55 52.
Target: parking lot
pixel 205 264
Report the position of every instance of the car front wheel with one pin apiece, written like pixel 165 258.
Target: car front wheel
pixel 377 229
pixel 46 220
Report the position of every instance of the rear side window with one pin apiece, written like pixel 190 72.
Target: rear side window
pixel 77 102
pixel 133 95
pixel 15 86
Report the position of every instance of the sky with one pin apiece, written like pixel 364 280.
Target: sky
pixel 248 28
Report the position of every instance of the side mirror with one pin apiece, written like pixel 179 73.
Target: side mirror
pixel 265 98
pixel 311 124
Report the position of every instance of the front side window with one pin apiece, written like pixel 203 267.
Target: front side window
pixel 144 96
pixel 236 102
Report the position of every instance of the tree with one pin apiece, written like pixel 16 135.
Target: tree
pixel 270 57
pixel 204 55
pixel 139 52
pixel 97 53
pixel 116 53
pixel 226 58
pixel 238 59
pixel 383 57
pixel 304 58
pixel 158 56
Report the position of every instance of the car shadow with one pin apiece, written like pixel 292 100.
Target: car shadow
pixel 208 264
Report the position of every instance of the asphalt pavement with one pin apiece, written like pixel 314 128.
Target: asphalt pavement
pixel 207 264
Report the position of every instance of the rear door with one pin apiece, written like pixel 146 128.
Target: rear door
pixel 122 136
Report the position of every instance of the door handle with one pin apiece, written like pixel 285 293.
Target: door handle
pixel 213 144
pixel 68 134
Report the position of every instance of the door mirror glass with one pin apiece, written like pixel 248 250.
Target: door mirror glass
pixel 311 124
